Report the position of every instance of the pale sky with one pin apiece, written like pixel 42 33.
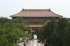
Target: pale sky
pixel 10 7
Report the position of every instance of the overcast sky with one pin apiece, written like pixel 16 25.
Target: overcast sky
pixel 10 7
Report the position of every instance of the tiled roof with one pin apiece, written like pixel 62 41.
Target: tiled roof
pixel 36 13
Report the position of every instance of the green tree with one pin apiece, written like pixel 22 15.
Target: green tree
pixel 11 30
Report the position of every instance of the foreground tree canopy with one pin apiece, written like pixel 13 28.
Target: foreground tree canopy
pixel 55 32
pixel 11 30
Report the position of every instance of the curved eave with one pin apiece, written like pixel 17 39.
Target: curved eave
pixel 36 16
pixel 20 14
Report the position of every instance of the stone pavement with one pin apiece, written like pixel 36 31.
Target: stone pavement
pixel 20 44
pixel 33 42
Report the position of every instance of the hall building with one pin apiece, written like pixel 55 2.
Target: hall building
pixel 35 17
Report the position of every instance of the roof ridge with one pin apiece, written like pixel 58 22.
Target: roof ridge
pixel 36 9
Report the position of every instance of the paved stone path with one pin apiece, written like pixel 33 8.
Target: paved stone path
pixel 20 44
pixel 33 42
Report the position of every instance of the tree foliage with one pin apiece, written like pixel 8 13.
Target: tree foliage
pixel 55 32
pixel 11 30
